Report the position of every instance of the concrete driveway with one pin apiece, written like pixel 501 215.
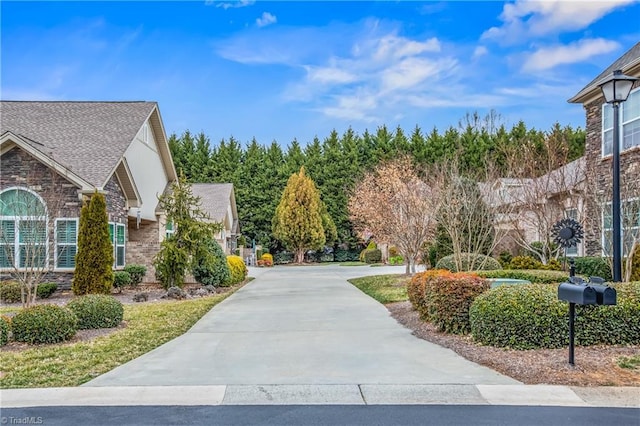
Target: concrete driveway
pixel 300 325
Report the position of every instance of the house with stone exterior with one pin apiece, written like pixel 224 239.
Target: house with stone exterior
pixel 598 158
pixel 55 154
pixel 218 201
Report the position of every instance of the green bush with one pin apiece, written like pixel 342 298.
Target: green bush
pixel 210 265
pixel 611 325
pixel 97 311
pixel 534 276
pixel 121 279
pixel 525 262
pixel 396 260
pixel 282 257
pixel 237 269
pixel 531 316
pixel 5 328
pixel 480 262
pixel 505 258
pixel 593 267
pixel 137 272
pixel 520 317
pixel 44 324
pixel 372 256
pixel 552 265
pixel 45 290
pixel 342 255
pixel 10 291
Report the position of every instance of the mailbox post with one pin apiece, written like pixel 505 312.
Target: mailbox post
pixel 578 292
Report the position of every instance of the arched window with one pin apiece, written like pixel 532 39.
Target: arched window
pixel 23 229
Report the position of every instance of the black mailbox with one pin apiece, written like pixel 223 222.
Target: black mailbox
pixel 579 294
pixel 604 295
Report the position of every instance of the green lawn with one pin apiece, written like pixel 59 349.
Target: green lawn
pixel 148 326
pixel 384 288
pixel 631 362
pixel 356 263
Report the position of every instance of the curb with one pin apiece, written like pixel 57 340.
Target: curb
pixel 365 394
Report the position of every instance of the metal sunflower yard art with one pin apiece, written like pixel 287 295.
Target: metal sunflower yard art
pixel 567 232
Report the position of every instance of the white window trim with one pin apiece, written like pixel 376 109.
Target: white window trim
pixel 621 127
pixel 578 247
pixel 622 227
pixel 16 220
pixel 115 244
pixel 55 245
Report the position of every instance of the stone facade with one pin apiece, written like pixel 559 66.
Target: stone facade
pixel 600 174
pixel 142 246
pixel 63 199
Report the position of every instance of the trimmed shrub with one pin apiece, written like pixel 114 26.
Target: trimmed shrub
pixel 396 260
pixel 481 262
pixel 282 257
pixel 444 298
pixel 10 291
pixel 415 291
pixel 448 298
pixel 519 317
pixel 505 258
pixel 121 279
pixel 137 272
pixel 610 325
pixel 534 276
pixel 593 267
pixel 552 265
pixel 5 328
pixel 210 266
pixel 267 257
pixel 342 255
pixel 97 311
pixel 372 256
pixel 531 316
pixel 237 268
pixel 44 324
pixel 45 290
pixel 525 262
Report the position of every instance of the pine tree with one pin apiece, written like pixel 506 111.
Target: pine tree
pixel 299 216
pixel 94 259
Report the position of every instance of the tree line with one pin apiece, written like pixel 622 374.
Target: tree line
pixel 338 162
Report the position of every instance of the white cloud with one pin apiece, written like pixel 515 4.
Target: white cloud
pixel 549 57
pixel 525 19
pixel 230 5
pixel 266 19
pixel 479 52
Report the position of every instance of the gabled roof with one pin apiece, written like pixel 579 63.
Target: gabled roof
pixel 215 199
pixel 89 139
pixel 629 63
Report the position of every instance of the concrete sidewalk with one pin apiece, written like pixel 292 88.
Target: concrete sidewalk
pixel 520 395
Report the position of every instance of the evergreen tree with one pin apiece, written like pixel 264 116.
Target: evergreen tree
pixel 192 231
pixel 94 259
pixel 299 216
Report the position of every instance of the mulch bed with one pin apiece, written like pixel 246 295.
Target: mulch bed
pixel 595 365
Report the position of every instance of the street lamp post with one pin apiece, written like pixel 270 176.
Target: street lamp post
pixel 616 89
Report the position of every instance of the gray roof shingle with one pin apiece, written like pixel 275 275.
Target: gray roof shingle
pixel 88 138
pixel 632 55
pixel 214 198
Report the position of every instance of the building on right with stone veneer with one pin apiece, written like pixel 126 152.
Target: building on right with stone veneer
pixel 598 158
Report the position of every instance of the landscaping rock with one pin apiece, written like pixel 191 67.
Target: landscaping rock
pixel 175 293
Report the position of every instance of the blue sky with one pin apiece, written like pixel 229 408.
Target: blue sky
pixel 284 70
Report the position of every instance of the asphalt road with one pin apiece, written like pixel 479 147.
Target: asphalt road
pixel 314 415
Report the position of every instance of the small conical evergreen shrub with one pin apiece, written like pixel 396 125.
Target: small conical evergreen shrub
pixel 94 259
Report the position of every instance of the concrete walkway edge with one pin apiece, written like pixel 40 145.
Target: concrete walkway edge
pixel 430 394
